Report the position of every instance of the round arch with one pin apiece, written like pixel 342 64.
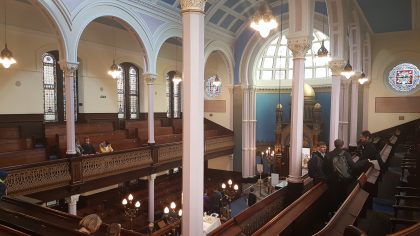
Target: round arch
pixel 226 54
pixel 162 35
pixel 121 13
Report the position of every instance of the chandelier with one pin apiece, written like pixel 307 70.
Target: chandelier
pixel 115 71
pixel 6 56
pixel 323 54
pixel 348 69
pixel 264 21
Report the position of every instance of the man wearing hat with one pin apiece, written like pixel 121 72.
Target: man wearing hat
pixel 3 186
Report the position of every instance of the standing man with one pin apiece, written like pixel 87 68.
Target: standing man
pixel 315 163
pixel 368 149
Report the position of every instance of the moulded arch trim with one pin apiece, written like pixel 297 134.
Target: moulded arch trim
pixel 225 52
pixel 59 22
pixel 162 35
pixel 106 8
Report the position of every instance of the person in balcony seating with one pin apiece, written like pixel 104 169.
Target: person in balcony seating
pixel 90 224
pixel 88 148
pixel 79 148
pixel 105 147
pixel 3 187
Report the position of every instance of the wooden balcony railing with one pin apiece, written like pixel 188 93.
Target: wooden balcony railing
pixel 75 171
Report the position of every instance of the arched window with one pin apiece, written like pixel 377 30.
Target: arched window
pixel 128 92
pixel 173 96
pixel 54 89
pixel 276 61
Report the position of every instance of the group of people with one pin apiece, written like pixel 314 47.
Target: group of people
pixel 212 201
pixel 87 148
pixel 339 169
pixel 91 223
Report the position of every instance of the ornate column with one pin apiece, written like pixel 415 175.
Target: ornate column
pixel 344 112
pixel 192 12
pixel 353 111
pixel 299 47
pixel 150 78
pixel 72 203
pixel 245 133
pixel 336 67
pixel 151 212
pixel 365 125
pixel 69 69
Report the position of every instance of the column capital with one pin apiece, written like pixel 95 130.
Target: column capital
pixel 336 66
pixel 151 177
pixel 192 5
pixel 68 66
pixel 299 46
pixel 149 77
pixel 73 199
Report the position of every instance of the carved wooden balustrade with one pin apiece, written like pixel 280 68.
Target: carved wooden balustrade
pixel 76 173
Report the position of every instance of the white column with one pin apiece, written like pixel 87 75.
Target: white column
pixel 245 132
pixel 151 209
pixel 150 78
pixel 230 89
pixel 353 112
pixel 336 67
pixel 365 125
pixel 345 84
pixel 192 12
pixel 72 204
pixel 299 47
pixel 70 69
pixel 253 132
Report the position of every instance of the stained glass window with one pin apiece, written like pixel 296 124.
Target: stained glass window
pixel 276 61
pixel 50 88
pixel 404 78
pixel 121 95
pixel 128 92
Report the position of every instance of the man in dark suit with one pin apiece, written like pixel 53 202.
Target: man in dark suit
pixel 368 149
pixel 315 163
pixel 88 148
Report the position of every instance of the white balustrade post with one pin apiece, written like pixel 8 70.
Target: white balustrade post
pixel 72 204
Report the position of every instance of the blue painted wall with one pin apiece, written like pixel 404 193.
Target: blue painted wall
pixel 266 114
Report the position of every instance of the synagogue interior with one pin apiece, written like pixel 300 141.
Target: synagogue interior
pixel 206 117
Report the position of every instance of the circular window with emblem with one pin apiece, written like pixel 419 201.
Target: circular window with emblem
pixel 213 86
pixel 404 78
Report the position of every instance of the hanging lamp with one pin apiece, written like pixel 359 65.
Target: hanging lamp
pixel 114 71
pixel 323 54
pixel 6 56
pixel 217 81
pixel 264 21
pixel 348 69
pixel 363 78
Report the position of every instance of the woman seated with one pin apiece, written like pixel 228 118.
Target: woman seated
pixel 90 224
pixel 105 147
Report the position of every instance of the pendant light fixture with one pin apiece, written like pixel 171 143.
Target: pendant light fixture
pixel 114 71
pixel 323 54
pixel 363 78
pixel 6 56
pixel 264 21
pixel 348 69
pixel 217 81
pixel 178 76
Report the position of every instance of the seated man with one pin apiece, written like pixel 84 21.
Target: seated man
pixel 88 148
pixel 105 147
pixel 79 149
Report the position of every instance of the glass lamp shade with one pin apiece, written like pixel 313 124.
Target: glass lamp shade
pixel 114 70
pixel 264 24
pixel 223 186
pixel 217 81
pixel 323 54
pixel 363 79
pixel 166 210
pixel 348 70
pixel 180 212
pixel 130 197
pixel 6 57
pixel 124 201
pixel 137 205
pixel 230 182
pixel 173 205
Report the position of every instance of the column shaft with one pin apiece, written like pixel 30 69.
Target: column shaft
pixel 245 133
pixel 151 208
pixel 193 116
pixel 72 204
pixel 365 125
pixel 345 114
pixel 150 78
pixel 353 113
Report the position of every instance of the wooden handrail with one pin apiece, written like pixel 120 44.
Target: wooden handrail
pixel 282 220
pixel 7 231
pixel 410 231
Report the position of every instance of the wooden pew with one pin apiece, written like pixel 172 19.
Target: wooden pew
pixel 22 157
pixel 132 125
pixel 7 231
pixel 9 133
pixel 413 230
pixel 10 145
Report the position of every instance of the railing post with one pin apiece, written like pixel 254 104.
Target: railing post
pixel 76 170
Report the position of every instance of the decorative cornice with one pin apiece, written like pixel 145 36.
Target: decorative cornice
pixel 299 46
pixel 68 67
pixel 336 66
pixel 192 5
pixel 149 77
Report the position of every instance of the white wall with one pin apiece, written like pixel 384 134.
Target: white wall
pixel 221 163
pixel 389 50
